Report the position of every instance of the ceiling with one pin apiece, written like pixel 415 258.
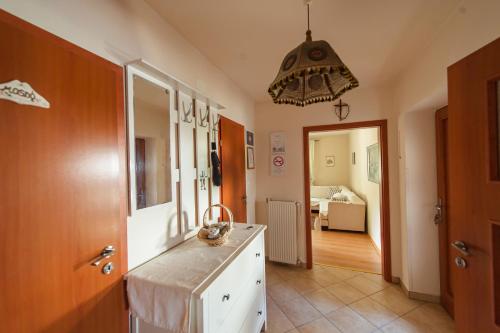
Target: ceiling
pixel 248 39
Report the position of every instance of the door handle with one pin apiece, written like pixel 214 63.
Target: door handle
pixel 107 252
pixel 461 247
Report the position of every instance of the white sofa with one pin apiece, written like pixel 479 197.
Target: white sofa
pixel 339 215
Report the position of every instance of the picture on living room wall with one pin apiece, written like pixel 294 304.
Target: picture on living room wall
pixel 330 161
pixel 373 153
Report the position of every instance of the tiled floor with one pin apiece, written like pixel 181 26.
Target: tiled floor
pixel 329 299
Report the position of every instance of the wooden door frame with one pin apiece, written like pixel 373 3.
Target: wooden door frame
pixel 385 224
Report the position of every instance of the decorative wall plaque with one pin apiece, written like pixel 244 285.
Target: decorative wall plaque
pixel 22 93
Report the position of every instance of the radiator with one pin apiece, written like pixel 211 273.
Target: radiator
pixel 282 231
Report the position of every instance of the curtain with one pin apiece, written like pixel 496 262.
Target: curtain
pixel 311 161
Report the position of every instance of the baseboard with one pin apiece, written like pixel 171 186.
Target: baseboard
pixel 420 296
pixel 374 245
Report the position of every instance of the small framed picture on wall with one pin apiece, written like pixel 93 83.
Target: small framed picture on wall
pixel 250 138
pixel 330 161
pixel 250 158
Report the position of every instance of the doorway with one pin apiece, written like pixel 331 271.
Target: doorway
pixel 233 168
pixel 345 198
pixel 381 127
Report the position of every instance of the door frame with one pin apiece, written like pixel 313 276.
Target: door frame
pixel 385 224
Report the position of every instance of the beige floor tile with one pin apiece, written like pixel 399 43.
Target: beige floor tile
pixel 282 292
pixel 323 301
pixel 432 316
pixel 299 311
pixel 321 325
pixel 401 325
pixel 273 278
pixel 290 274
pixel 291 331
pixel 366 286
pixel 322 277
pixel 345 292
pixel 342 273
pixel 303 285
pixel 374 312
pixel 348 321
pixel 277 322
pixel 395 300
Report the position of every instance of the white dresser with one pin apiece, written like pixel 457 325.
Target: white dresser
pixel 227 297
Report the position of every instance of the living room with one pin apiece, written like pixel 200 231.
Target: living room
pixel 345 198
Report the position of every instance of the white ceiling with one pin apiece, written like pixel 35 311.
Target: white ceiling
pixel 249 39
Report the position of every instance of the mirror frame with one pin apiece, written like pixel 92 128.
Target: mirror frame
pixel 132 71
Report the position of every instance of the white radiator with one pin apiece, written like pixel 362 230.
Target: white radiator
pixel 282 231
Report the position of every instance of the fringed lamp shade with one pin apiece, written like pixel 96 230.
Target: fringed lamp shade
pixel 311 73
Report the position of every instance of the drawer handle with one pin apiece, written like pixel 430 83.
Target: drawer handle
pixel 226 297
pixel 257 254
pixel 259 313
pixel 259 282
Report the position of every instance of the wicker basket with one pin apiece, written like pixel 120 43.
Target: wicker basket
pixel 221 239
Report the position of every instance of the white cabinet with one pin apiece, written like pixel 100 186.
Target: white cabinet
pixel 232 298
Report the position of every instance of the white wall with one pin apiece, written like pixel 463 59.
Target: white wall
pixel 359 140
pixel 334 145
pixel 365 104
pixel 126 30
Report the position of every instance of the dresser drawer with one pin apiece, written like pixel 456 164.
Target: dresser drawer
pixel 237 279
pixel 254 293
pixel 256 316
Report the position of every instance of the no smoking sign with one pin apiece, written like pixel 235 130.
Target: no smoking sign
pixel 278 161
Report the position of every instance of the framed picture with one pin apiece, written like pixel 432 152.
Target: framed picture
pixel 250 158
pixel 250 138
pixel 353 158
pixel 373 153
pixel 330 161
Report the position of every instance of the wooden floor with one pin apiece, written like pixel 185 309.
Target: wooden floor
pixel 345 249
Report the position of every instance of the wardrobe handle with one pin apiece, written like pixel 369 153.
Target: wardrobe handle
pixel 226 297
pixel 257 254
pixel 259 282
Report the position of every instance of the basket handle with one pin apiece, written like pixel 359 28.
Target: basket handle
pixel 228 211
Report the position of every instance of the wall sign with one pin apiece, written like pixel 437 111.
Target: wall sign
pixel 278 153
pixel 22 93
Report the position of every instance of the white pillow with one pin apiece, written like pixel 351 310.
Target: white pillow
pixel 340 197
pixel 334 190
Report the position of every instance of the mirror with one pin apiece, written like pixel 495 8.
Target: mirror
pixel 151 122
